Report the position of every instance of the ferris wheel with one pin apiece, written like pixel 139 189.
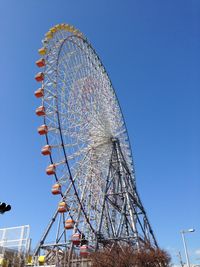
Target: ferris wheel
pixel 88 147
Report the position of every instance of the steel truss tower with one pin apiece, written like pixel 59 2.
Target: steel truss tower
pixel 122 215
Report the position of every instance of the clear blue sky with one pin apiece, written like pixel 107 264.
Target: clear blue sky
pixel 151 49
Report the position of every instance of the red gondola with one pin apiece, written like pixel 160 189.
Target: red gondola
pixel 43 129
pixel 39 92
pixel 40 111
pixel 84 251
pixel 76 239
pixel 39 76
pixel 40 63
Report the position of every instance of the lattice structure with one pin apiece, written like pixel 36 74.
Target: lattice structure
pixel 89 150
pixel 16 238
pixel 14 245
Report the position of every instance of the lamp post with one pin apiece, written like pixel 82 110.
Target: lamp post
pixel 184 244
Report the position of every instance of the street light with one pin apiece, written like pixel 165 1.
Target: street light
pixel 191 230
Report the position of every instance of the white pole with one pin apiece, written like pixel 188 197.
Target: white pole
pixel 185 248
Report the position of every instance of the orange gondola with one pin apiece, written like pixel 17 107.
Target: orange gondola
pixel 69 224
pixel 62 207
pixel 51 169
pixel 56 189
pixel 43 129
pixel 46 150
pixel 40 111
pixel 39 92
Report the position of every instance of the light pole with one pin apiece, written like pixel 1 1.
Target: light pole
pixel 184 244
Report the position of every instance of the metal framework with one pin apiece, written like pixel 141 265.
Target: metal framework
pixel 90 151
pixel 14 245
